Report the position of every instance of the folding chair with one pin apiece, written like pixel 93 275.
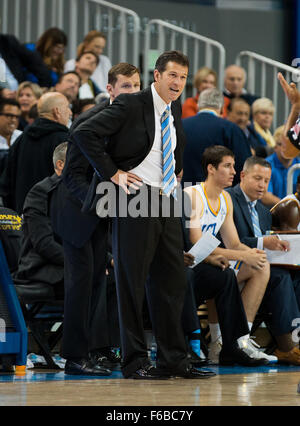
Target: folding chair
pixel 37 301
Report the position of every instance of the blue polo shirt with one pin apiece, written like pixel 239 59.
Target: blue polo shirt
pixel 278 180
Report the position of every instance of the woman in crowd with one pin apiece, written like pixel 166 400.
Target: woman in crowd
pixel 263 112
pixel 205 78
pixel 51 46
pixel 94 41
pixel 28 94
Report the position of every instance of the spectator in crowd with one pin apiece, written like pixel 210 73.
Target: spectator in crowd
pixel 252 220
pixel 28 94
pixel 82 105
pixel 207 128
pixel 291 140
pixel 68 84
pixel 234 82
pixel 50 47
pixel 94 41
pixel 33 114
pixel 85 238
pixel 85 65
pixel 238 112
pixel 17 60
pixel 212 213
pixel 41 257
pixel 277 188
pixel 205 78
pixel 33 150
pixel 262 113
pixel 10 113
pixel 9 119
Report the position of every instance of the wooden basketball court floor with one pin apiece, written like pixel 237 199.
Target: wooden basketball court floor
pixel 232 386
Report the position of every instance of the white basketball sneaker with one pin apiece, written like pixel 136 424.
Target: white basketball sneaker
pixel 252 349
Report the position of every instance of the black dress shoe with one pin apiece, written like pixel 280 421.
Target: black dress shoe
pixel 149 373
pixel 85 367
pixel 196 361
pixel 238 356
pixel 106 357
pixel 114 357
pixel 194 373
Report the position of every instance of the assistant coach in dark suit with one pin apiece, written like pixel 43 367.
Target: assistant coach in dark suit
pixel 208 128
pixel 86 341
pixel 142 246
pixel 282 296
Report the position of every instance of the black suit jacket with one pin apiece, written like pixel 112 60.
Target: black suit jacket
pixel 41 256
pixel 129 125
pixel 69 221
pixel 242 217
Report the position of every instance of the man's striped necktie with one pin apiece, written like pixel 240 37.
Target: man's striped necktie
pixel 169 181
pixel 255 220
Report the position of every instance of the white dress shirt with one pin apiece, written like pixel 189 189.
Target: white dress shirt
pixel 3 142
pixel 150 169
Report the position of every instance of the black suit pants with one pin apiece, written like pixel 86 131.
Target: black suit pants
pixel 150 247
pixel 212 282
pixel 282 300
pixel 85 306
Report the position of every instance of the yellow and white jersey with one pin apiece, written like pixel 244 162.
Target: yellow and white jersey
pixel 211 220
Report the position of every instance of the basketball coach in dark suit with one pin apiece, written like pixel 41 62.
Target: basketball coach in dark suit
pixel 141 129
pixel 282 296
pixel 86 343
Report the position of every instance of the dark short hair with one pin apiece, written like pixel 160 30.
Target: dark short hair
pixel 33 112
pixel 79 104
pixel 8 101
pixel 171 56
pixel 62 76
pixel 88 52
pixel 214 155
pixel 255 160
pixel 236 101
pixel 123 68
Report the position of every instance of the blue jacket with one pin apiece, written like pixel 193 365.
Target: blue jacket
pixel 206 129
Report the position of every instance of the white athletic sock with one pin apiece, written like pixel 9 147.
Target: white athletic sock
pixel 215 332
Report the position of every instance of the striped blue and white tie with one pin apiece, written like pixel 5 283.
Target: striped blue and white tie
pixel 255 220
pixel 169 181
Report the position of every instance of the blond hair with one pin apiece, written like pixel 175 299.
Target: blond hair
pixel 201 74
pixel 36 89
pixel 262 104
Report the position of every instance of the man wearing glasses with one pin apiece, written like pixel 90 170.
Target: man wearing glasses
pixel 9 121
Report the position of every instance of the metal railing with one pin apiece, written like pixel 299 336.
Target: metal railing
pixel 262 81
pixel 28 19
pixel 202 51
pixel 121 26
